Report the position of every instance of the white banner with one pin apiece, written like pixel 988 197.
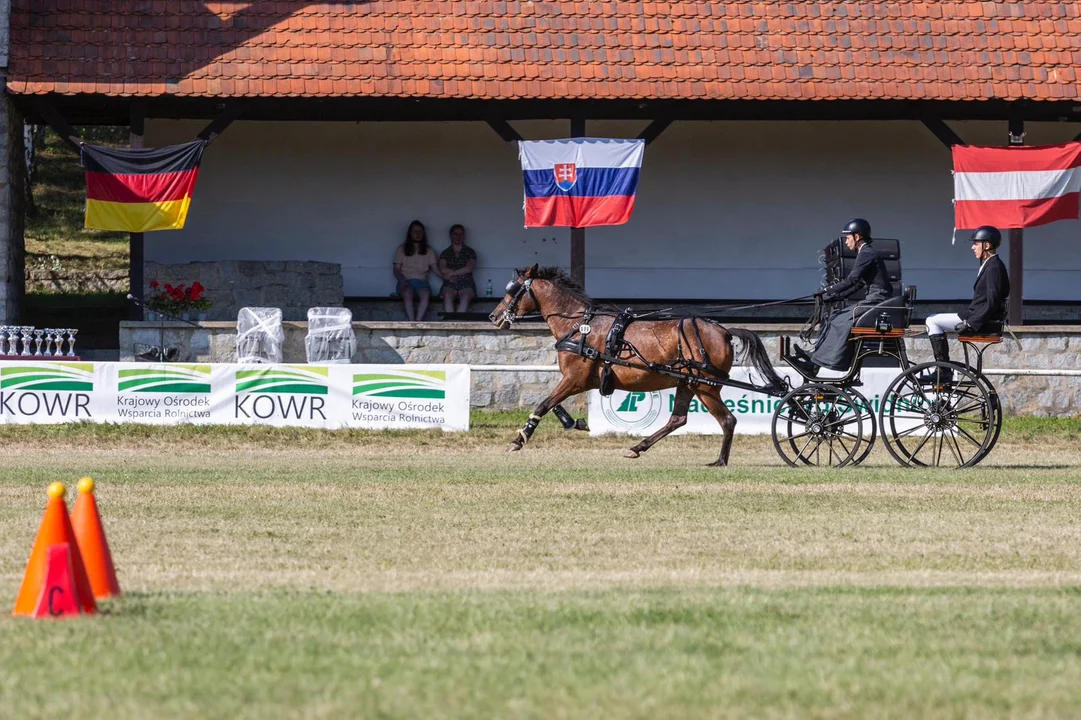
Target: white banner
pixel 644 413
pixel 318 396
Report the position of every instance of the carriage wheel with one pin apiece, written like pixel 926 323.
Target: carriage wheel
pixel 818 425
pixel 870 433
pixel 950 424
pixel 996 404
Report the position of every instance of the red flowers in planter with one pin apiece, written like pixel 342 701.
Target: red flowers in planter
pixel 178 299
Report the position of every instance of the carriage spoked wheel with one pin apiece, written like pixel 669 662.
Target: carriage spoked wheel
pixel 869 432
pixel 930 422
pixel 818 425
pixel 996 405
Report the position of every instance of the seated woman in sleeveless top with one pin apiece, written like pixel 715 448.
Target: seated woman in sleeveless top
pixel 412 263
pixel 456 265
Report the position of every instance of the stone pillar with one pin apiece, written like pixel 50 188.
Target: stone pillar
pixel 12 189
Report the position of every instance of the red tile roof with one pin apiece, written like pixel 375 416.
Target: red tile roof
pixel 786 50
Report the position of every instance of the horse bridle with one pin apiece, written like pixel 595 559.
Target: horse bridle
pixel 510 314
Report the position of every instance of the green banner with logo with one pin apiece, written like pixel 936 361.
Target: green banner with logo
pixel 323 396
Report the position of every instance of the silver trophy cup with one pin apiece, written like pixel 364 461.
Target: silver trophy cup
pixel 72 332
pixel 13 340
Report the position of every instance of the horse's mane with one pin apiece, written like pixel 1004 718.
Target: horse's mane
pixel 558 277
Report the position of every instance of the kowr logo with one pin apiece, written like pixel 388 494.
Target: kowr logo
pixel 282 392
pixel 404 384
pixel 165 379
pixel 631 411
pixel 47 389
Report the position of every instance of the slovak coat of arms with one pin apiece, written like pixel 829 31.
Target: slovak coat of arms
pixel 566 174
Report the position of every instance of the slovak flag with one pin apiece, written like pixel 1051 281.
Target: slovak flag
pixel 581 182
pixel 1015 187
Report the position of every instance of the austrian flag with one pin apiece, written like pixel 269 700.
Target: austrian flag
pixel 580 182
pixel 1015 187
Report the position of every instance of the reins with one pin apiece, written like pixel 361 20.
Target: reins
pixel 706 312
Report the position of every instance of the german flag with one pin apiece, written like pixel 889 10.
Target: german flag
pixel 140 190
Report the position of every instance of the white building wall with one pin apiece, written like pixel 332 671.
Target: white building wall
pixel 725 210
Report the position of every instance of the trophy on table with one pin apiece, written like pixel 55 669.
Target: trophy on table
pixel 13 340
pixel 72 332
pixel 3 339
pixel 25 332
pixel 37 342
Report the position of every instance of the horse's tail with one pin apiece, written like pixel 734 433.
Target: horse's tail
pixel 755 351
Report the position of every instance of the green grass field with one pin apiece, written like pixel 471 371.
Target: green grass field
pixel 286 573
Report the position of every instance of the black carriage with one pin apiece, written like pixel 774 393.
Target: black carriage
pixel 926 417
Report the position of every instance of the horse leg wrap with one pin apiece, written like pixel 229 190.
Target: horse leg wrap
pixel 531 425
pixel 564 417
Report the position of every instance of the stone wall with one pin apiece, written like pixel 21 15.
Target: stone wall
pixel 1047 348
pixel 294 286
pixel 93 281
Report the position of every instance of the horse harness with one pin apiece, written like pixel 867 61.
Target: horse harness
pixel 686 369
pixel 616 345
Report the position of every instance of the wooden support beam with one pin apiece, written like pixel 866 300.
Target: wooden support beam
pixel 942 131
pixel 135 240
pixel 57 122
pixel 504 130
pixel 654 130
pixel 1016 136
pixel 231 112
pixel 578 235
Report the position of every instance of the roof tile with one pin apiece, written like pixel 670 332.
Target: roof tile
pixel 797 49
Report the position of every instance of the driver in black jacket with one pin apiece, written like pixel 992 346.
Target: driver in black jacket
pixel 833 350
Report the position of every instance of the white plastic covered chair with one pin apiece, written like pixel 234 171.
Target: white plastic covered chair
pixel 259 335
pixel 330 335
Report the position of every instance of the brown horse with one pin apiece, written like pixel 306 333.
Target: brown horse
pixel 696 347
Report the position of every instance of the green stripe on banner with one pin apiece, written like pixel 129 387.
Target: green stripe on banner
pixel 415 393
pixel 68 385
pixel 265 387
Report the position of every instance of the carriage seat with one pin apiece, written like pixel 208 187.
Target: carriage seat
pixel 989 338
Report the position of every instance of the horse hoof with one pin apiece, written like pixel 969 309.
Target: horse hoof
pixel 514 447
pixel 632 454
pixel 581 424
pixel 718 463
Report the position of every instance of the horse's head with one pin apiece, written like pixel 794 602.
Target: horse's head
pixel 518 301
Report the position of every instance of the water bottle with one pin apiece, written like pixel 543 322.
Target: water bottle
pixel 489 290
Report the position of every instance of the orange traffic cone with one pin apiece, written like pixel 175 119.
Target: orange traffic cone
pixel 92 543
pixel 55 583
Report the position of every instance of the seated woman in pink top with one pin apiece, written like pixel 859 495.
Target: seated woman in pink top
pixel 412 263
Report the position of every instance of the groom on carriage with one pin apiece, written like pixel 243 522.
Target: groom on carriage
pixel 833 350
pixel 987 311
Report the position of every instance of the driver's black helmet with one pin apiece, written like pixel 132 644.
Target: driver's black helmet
pixel 860 227
pixel 987 234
